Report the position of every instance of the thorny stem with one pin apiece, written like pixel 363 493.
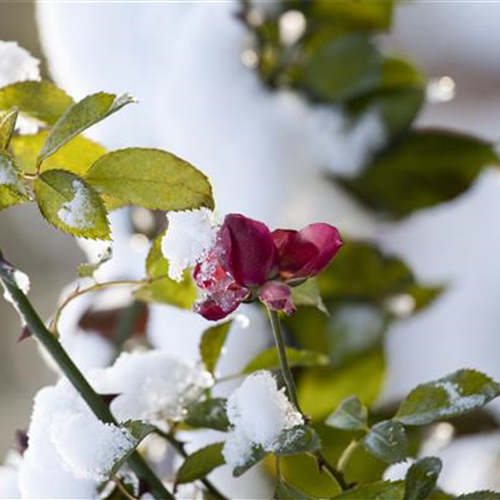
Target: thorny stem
pixel 74 375
pixel 179 448
pixel 321 460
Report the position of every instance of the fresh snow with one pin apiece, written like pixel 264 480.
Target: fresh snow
pixel 70 451
pixel 259 413
pixel 189 237
pixel 79 212
pixel 151 386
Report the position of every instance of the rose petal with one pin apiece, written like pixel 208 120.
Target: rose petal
pixel 212 311
pixel 327 240
pixel 249 251
pixel 277 296
pixel 294 252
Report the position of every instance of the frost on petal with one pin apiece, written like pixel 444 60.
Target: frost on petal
pixel 88 447
pixel 189 237
pixel 79 212
pixel 151 386
pixel 17 64
pixel 259 413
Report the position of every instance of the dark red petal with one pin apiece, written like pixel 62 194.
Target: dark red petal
pixel 327 240
pixel 249 251
pixel 277 296
pixel 294 252
pixel 212 311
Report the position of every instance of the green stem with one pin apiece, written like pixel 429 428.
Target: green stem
pixel 321 460
pixel 346 455
pixel 179 447
pixel 285 368
pixel 73 374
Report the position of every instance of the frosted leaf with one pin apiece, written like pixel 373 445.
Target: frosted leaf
pixel 17 64
pixel 151 385
pixel 259 413
pixel 79 212
pixel 87 447
pixel 9 175
pixel 459 402
pixel 189 237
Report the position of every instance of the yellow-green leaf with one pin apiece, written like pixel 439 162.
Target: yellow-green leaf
pixel 82 115
pixel 212 342
pixel 40 100
pixel 77 156
pixel 7 126
pixel 12 188
pixel 160 288
pixel 71 204
pixel 151 178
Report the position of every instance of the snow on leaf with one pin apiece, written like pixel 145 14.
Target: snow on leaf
pixel 258 413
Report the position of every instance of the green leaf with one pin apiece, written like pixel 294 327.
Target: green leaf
pixel 7 126
pixel 284 491
pixel 79 117
pixel 461 392
pixel 77 156
pixel 360 15
pixel 398 98
pixel 480 495
pixel 341 69
pixel 257 454
pixel 423 170
pixel 40 100
pixel 351 415
pixel 210 414
pixel 138 430
pixel 201 463
pixel 362 376
pixel 162 289
pixel 212 342
pixel 382 490
pixel 71 204
pixel 151 178
pixel 87 270
pixel 308 294
pixel 299 439
pixel 12 187
pixel 387 441
pixel 269 360
pixel 421 478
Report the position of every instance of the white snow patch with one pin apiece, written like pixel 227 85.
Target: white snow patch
pixel 189 237
pixel 69 451
pixel 83 458
pixel 9 176
pixel 259 413
pixel 457 401
pixel 79 212
pixel 151 385
pixel 17 64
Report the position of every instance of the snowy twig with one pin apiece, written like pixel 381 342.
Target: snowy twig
pixel 73 374
pixel 321 460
